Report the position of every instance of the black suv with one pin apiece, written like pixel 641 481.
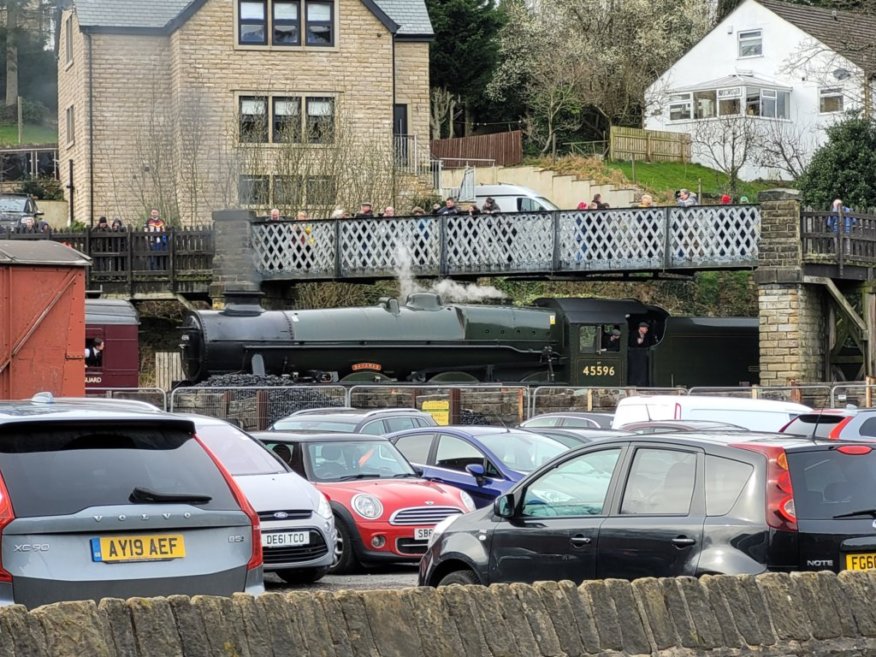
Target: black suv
pixel 680 504
pixel 14 208
pixel 355 420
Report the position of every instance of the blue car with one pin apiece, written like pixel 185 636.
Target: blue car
pixel 485 462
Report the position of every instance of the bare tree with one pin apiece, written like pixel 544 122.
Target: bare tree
pixel 443 109
pixel 727 144
pixel 786 147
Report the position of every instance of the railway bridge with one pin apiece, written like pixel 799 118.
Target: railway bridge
pixel 814 272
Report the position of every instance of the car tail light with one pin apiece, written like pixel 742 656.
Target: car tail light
pixel 677 411
pixel 781 513
pixel 7 515
pixel 835 433
pixel 256 559
pixel 854 450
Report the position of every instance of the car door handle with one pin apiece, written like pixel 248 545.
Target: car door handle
pixel 683 541
pixel 580 541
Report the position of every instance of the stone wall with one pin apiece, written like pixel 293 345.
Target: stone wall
pixel 771 615
pixel 792 325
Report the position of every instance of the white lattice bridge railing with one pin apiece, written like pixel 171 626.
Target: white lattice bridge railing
pixel 611 241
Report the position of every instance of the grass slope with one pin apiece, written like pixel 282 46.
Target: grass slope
pixel 32 134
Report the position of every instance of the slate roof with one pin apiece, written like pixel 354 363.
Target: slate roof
pixel 409 16
pixel 849 33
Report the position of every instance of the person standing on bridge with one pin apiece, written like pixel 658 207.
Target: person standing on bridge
pixel 841 222
pixel 686 199
pixel 157 243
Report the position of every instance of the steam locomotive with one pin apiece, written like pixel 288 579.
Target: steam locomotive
pixel 557 340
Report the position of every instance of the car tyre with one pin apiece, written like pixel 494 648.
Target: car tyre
pixel 302 575
pixel 459 577
pixel 346 559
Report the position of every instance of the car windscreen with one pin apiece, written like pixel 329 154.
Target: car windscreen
pixel 240 454
pixel 302 424
pixel 12 203
pixel 53 469
pixel 356 459
pixel 831 482
pixel 817 426
pixel 522 452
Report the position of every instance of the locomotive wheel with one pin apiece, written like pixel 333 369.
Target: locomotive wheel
pixel 454 377
pixel 536 377
pixel 366 376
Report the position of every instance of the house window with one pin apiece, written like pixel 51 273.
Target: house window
pixel 751 43
pixel 319 23
pixel 830 100
pixel 71 125
pixel 679 107
pixel 704 104
pixel 729 101
pixel 252 19
pixel 783 105
pixel 287 120
pixel 288 191
pixel 253 119
pixel 253 190
pixel 286 18
pixel 282 22
pixel 321 190
pixel 320 120
pixel 68 39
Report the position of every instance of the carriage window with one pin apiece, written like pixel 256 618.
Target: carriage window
pixel 587 339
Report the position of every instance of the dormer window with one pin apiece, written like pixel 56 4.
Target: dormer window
pixel 751 43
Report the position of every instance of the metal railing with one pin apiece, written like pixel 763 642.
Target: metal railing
pixel 630 239
pixel 155 396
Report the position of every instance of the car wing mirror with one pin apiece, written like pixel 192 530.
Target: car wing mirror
pixel 476 470
pixel 503 506
pixel 418 470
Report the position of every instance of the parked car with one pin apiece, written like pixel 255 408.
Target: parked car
pixel 354 420
pixel 577 419
pixel 102 502
pixel 384 511
pixel 298 528
pixel 674 426
pixel 573 438
pixel 753 414
pixel 683 504
pixel 830 423
pixel 14 208
pixel 483 461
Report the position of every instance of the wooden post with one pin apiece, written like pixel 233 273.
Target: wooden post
pixel 589 399
pixel 868 391
pixel 796 394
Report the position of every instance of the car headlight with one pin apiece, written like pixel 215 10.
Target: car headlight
pixel 324 508
pixel 440 528
pixel 367 506
pixel 467 502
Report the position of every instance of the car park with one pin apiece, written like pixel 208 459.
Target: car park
pixel 355 420
pixel 384 511
pixel 674 426
pixel 674 505
pixel 298 528
pixel 102 502
pixel 569 419
pixel 483 461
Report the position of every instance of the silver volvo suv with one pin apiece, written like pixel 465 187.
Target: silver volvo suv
pixel 100 502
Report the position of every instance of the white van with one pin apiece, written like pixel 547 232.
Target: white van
pixel 513 198
pixel 753 414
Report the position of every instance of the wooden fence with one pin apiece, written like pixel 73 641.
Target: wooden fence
pixel 649 145
pixel 503 148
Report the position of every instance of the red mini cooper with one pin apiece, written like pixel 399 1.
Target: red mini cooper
pixel 384 511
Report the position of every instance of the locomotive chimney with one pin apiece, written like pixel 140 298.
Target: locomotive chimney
pixel 243 303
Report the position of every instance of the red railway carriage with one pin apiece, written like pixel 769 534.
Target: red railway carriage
pixel 116 324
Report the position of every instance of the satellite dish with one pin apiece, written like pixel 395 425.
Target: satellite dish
pixel 841 74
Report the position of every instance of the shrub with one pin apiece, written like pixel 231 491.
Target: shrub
pixel 46 189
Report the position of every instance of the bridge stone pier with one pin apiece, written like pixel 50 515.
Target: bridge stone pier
pixel 792 324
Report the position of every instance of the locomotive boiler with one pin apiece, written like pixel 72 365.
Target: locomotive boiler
pixel 557 340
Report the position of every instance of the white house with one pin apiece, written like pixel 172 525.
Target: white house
pixel 756 92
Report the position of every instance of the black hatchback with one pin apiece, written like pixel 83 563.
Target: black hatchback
pixel 680 504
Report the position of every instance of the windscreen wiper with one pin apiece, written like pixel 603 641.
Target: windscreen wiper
pixel 146 496
pixel 861 512
pixel 359 476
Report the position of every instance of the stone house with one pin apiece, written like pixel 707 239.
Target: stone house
pixel 759 89
pixel 195 105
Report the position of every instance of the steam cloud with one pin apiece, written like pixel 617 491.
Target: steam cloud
pixel 447 289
